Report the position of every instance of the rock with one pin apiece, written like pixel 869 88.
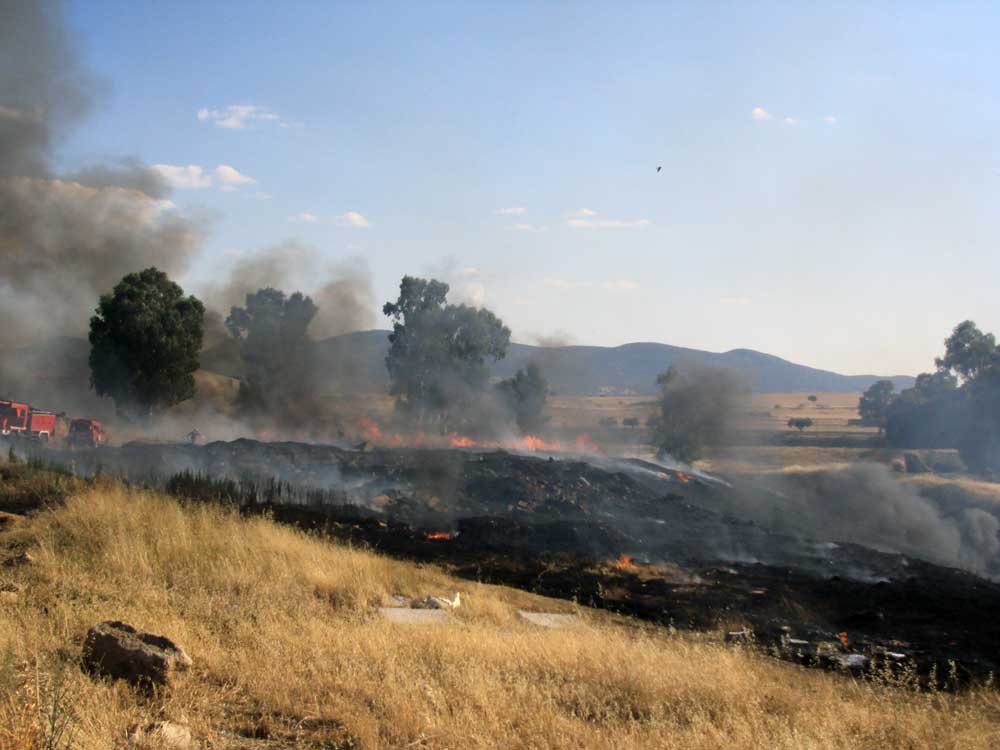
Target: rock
pixel 115 649
pixel 160 735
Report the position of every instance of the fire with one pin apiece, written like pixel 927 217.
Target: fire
pixel 625 564
pixel 437 535
pixel 369 430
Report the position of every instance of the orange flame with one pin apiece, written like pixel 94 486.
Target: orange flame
pixel 437 535
pixel 625 564
pixel 369 430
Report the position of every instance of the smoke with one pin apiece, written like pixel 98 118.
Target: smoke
pixel 346 299
pixel 866 505
pixel 64 240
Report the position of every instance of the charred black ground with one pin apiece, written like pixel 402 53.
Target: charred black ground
pixel 625 535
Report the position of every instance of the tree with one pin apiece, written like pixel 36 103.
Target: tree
pixel 144 343
pixel 607 422
pixel 276 351
pixel 873 406
pixel 696 410
pixel 438 352
pixel 969 352
pixel 525 394
pixel 800 423
pixel 630 422
pixel 813 399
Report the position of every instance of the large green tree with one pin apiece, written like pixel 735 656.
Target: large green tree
pixel 144 343
pixel 438 353
pixel 277 353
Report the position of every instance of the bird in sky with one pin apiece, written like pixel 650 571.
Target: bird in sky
pixel 658 169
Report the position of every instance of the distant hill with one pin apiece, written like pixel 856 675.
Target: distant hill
pixel 56 371
pixel 592 370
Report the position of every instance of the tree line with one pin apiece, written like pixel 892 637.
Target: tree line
pixel 146 337
pixel 955 406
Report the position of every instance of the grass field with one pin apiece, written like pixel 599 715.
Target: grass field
pixel 289 652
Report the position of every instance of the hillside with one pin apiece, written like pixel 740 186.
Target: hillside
pixel 289 650
pixel 591 370
pixel 56 371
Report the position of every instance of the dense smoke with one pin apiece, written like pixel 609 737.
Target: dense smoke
pixel 345 299
pixel 866 505
pixel 64 240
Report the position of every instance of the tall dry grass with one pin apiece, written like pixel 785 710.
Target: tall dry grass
pixel 285 636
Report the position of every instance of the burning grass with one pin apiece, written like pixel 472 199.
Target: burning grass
pixel 284 632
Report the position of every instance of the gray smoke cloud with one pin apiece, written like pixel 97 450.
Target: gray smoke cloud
pixel 866 505
pixel 345 298
pixel 64 240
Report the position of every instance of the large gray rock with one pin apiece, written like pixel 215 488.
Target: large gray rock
pixel 115 649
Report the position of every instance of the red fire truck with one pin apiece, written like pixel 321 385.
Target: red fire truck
pixel 86 433
pixel 24 421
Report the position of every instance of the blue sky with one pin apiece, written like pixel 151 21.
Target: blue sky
pixel 829 185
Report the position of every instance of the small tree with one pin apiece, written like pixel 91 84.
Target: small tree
pixel 813 398
pixel 525 395
pixel 608 422
pixel 631 422
pixel 144 344
pixel 696 410
pixel 800 423
pixel 875 403
pixel 276 351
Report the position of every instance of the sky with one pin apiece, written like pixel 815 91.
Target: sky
pixel 829 185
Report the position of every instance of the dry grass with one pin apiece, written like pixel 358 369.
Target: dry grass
pixel 285 640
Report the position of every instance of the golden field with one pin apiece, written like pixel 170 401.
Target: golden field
pixel 289 650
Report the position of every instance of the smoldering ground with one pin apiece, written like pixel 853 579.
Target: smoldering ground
pixel 865 504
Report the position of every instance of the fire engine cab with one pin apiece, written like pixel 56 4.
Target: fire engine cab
pixel 86 433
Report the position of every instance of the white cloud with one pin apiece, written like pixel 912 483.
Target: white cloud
pixel 513 211
pixel 237 116
pixel 230 178
pixel 586 212
pixel 790 121
pixel 526 228
pixel 830 120
pixel 759 113
pixel 353 219
pixel 305 218
pixel 262 196
pixel 618 285
pixel 606 224
pixel 467 271
pixel 191 176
